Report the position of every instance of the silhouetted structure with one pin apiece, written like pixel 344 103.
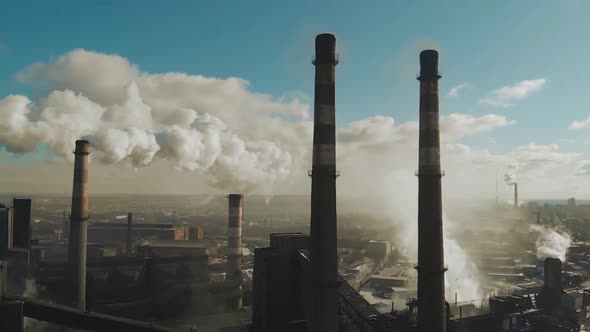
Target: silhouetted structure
pixel 129 230
pixel 549 297
pixel 324 259
pixel 279 294
pixel 234 245
pixel 431 286
pixel 78 224
pixel 21 223
pixel 515 195
pixel 5 230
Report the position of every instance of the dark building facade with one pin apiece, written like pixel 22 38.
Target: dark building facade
pixel 278 296
pixel 21 218
pixel 5 230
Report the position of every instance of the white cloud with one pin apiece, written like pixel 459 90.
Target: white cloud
pixel 580 124
pixel 521 90
pixel 454 91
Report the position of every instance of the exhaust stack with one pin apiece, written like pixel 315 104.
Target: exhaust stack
pixel 324 263
pixel 431 282
pixel 234 245
pixel 549 297
pixel 78 224
pixel 129 230
pixel 515 195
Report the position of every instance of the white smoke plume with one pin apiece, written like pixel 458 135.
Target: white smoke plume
pixel 134 117
pixel 462 277
pixel 551 242
pixel 510 176
pixel 231 137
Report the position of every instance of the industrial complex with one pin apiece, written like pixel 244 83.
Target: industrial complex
pixel 228 268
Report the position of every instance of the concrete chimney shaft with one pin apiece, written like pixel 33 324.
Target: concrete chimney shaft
pixel 515 195
pixel 78 224
pixel 552 274
pixel 129 230
pixel 234 244
pixel 324 261
pixel 431 283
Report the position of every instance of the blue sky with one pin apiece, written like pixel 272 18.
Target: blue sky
pixel 485 44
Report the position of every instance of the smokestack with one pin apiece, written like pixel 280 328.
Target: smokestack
pixel 129 229
pixel 431 282
pixel 553 274
pixel 65 227
pixel 324 262
pixel 549 297
pixel 234 244
pixel 515 194
pixel 78 225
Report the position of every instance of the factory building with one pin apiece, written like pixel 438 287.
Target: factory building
pixel 171 248
pixel 118 232
pixel 21 223
pixel 552 309
pixel 378 249
pixel 5 230
pixel 282 292
pixel 277 287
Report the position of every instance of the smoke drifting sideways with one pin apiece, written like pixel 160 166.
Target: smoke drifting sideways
pixel 135 117
pixel 551 242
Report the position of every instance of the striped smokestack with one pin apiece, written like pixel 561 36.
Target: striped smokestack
pixel 324 263
pixel 234 244
pixel 431 281
pixel 78 225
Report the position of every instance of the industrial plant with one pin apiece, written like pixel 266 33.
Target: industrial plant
pixel 241 263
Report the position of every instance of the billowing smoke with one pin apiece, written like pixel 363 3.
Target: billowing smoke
pixel 551 242
pixel 510 176
pixel 462 278
pixel 139 117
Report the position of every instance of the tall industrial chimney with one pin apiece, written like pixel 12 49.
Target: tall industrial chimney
pixel 78 225
pixel 234 245
pixel 431 269
pixel 129 230
pixel 324 262
pixel 515 194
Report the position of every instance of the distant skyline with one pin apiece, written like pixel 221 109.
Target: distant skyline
pixel 213 89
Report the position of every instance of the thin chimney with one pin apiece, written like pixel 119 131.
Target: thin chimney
pixel 234 245
pixel 515 194
pixel 129 230
pixel 78 224
pixel 431 269
pixel 324 261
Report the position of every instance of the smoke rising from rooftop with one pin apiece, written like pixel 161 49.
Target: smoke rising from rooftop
pixel 551 242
